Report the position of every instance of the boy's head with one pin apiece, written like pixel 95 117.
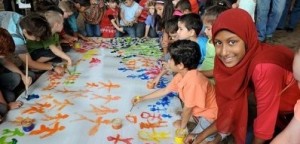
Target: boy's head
pixel 171 28
pixel 128 3
pixel 151 7
pixel 159 7
pixel 67 7
pixel 184 54
pixel 210 15
pixel 35 27
pixel 112 4
pixel 56 20
pixel 184 6
pixel 189 26
pixel 7 43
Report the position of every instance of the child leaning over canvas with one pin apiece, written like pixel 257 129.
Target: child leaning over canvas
pixel 45 50
pixel 194 89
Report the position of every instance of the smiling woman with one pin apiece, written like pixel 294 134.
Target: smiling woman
pixel 245 65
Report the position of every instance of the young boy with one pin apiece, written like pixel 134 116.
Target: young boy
pixel 45 50
pixel 189 27
pixel 31 27
pixel 194 89
pixel 130 11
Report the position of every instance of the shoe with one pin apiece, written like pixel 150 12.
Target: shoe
pixel 279 28
pixel 269 40
pixel 289 30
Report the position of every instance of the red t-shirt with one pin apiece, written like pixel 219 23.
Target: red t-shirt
pixel 144 13
pixel 194 6
pixel 108 15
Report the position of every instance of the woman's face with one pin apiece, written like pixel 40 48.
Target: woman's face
pixel 230 48
pixel 159 9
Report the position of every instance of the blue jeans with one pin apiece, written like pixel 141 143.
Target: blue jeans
pixel 267 19
pixel 140 30
pixel 8 82
pixel 295 15
pixel 92 30
pixel 127 29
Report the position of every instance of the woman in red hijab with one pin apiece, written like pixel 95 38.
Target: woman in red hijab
pixel 245 65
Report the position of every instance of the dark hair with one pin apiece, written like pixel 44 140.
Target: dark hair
pixel 166 15
pixel 184 5
pixel 43 6
pixel 7 42
pixel 186 52
pixel 211 13
pixel 36 25
pixel 192 21
pixel 171 25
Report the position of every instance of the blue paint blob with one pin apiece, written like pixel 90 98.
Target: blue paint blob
pixel 166 116
pixel 32 96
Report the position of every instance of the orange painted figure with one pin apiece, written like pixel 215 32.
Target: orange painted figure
pixel 92 85
pixel 103 110
pixel 149 125
pixel 119 139
pixel 47 130
pixel 61 105
pixel 40 108
pixel 57 118
pixel 97 122
pixel 108 98
pixel 109 85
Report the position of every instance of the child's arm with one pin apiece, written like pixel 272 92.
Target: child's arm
pixel 155 94
pixel 13 68
pixel 113 22
pixel 147 30
pixel 157 78
pixel 185 116
pixel 58 52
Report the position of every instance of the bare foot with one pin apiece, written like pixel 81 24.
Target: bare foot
pixel 15 105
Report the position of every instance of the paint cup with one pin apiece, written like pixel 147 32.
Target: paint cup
pixel 77 45
pixel 116 123
pixel 27 125
pixel 180 135
pixel 150 85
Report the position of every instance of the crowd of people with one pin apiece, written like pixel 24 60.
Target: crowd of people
pixel 230 78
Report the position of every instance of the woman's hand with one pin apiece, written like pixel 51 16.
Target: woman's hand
pixel 29 80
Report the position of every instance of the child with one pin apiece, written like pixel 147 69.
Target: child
pixel 150 18
pixel 182 7
pixel 10 80
pixel 45 50
pixel 92 16
pixel 195 90
pixel 171 28
pixel 247 5
pixel 110 20
pixel 130 11
pixel 30 27
pixel 189 27
pixel 208 18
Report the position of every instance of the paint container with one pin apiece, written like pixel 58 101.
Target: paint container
pixel 180 135
pixel 116 123
pixel 150 85
pixel 27 125
pixel 77 45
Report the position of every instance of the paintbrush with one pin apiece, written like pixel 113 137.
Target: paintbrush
pixel 26 77
pixel 66 68
pixel 136 99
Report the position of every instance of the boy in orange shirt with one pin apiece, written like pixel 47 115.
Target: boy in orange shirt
pixel 194 89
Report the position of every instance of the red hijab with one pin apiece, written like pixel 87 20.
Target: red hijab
pixel 233 84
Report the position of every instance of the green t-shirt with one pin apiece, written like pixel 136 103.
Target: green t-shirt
pixel 209 61
pixel 34 45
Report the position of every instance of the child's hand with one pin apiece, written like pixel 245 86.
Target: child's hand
pixel 177 124
pixel 136 100
pixel 155 81
pixel 190 138
pixel 59 70
pixel 29 80
pixel 120 29
pixel 69 62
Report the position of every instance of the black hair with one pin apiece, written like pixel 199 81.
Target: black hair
pixel 211 13
pixel 192 21
pixel 186 52
pixel 43 6
pixel 184 5
pixel 36 25
pixel 171 25
pixel 166 15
